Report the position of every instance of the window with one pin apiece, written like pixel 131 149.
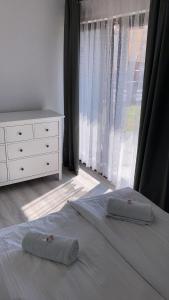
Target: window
pixel 112 57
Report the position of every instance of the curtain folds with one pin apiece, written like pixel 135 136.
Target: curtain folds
pixel 152 168
pixel 71 85
pixel 112 56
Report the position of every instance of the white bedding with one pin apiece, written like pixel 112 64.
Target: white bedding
pixel 101 272
pixel 145 248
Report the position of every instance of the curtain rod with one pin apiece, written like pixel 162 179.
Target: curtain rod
pixel 115 17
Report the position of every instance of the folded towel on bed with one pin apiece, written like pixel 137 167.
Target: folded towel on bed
pixel 55 248
pixel 130 210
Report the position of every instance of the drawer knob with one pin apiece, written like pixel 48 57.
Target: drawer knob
pixel 47 146
pixel 21 150
pixel 47 129
pixel 20 133
pixel 48 164
pixel 22 169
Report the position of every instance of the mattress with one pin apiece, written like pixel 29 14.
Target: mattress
pixel 112 262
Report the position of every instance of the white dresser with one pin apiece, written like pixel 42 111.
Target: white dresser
pixel 30 145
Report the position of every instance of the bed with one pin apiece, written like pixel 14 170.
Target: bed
pixel 117 260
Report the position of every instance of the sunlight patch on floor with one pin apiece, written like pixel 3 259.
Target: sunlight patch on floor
pixel 83 185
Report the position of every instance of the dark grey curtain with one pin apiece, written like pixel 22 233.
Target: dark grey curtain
pixel 152 167
pixel 71 85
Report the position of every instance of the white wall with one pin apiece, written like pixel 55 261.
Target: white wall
pixel 99 9
pixel 31 54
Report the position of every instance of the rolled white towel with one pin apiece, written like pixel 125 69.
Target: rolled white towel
pixel 130 210
pixel 55 248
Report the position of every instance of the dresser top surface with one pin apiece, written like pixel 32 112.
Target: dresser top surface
pixel 28 115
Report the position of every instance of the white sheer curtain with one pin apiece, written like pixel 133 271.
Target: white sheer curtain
pixel 111 78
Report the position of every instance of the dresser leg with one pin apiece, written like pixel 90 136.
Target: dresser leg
pixel 60 176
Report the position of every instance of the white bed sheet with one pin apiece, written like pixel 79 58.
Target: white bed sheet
pixel 145 248
pixel 100 273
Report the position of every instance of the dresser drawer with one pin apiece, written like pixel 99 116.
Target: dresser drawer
pixel 19 133
pixel 2 153
pixel 3 172
pixel 42 130
pixel 33 166
pixel 34 147
pixel 1 135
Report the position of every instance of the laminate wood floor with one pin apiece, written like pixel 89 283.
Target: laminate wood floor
pixel 30 200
